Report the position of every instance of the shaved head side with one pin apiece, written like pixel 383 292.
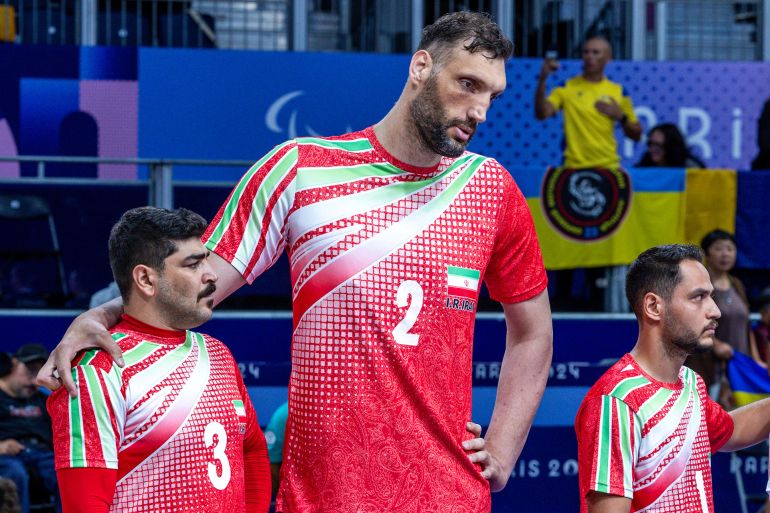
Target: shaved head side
pixel 599 39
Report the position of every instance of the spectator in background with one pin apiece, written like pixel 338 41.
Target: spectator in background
pixel 762 328
pixel 25 427
pixel 592 106
pixel 762 161
pixel 666 147
pixel 274 436
pixel 734 330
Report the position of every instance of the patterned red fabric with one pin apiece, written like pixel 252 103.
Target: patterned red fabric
pixel 380 389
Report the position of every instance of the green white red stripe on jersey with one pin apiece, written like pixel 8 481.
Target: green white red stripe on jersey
pixel 360 257
pixel 240 410
pixel 462 282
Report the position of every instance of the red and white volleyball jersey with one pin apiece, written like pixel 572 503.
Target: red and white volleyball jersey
pixel 650 441
pixel 173 422
pixel 386 264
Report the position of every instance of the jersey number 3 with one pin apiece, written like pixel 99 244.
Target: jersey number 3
pixel 410 294
pixel 220 481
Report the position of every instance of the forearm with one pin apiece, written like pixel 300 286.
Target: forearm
pixel 632 130
pixel 543 109
pixel 751 425
pixel 523 375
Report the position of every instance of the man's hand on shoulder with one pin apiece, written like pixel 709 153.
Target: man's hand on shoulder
pixel 89 329
pixel 610 108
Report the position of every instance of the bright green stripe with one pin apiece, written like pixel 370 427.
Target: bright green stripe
pixel 653 405
pixel 355 145
pixel 237 403
pixel 90 355
pixel 234 200
pixel 77 449
pixel 624 426
pixel 462 271
pixel 310 178
pixel 100 409
pixel 626 386
pixel 446 197
pixel 139 352
pixel 604 452
pixel 117 336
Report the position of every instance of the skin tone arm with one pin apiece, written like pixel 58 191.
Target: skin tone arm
pixel 752 425
pixel 89 329
pixel 523 375
pixel 604 503
pixel 543 108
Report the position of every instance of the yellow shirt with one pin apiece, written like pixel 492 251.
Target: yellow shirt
pixel 589 134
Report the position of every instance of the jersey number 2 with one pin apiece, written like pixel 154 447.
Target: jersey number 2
pixel 408 289
pixel 220 481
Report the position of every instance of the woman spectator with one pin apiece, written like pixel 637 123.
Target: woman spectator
pixel 734 330
pixel 666 148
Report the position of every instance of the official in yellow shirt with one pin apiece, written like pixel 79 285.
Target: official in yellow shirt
pixel 592 106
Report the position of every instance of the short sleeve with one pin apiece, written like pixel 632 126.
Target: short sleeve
pixel 556 98
pixel 515 271
pixel 248 231
pixel 720 424
pixel 608 437
pixel 85 428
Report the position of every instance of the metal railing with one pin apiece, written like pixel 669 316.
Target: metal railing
pixel 638 29
pixel 160 172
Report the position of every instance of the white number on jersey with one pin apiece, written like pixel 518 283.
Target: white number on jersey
pixel 408 289
pixel 220 482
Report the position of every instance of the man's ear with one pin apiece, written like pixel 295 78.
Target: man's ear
pixel 420 66
pixel 652 306
pixel 145 280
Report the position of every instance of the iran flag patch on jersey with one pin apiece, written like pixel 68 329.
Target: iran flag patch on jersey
pixel 240 410
pixel 462 288
pixel 462 282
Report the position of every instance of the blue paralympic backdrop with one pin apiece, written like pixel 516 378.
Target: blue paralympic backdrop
pixel 237 105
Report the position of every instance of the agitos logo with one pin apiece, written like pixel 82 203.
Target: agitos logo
pixel 585 204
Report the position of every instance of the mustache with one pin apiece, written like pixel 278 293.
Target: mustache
pixel 711 326
pixel 210 289
pixel 466 123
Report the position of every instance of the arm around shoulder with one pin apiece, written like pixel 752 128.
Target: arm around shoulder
pixel 89 329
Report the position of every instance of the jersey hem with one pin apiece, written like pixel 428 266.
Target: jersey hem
pixel 523 296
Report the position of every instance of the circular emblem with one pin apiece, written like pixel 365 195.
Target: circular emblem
pixel 585 204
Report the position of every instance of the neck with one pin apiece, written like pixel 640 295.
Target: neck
pixel 148 314
pixel 398 135
pixel 652 355
pixel 593 76
pixel 720 279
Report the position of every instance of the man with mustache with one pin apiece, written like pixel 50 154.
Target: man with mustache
pixel 173 430
pixel 389 233
pixel 647 428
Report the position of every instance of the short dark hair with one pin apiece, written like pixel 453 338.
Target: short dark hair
pixel 479 29
pixel 147 236
pixel 657 270
pixel 714 236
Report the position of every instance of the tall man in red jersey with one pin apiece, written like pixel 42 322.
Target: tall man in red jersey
pixel 174 429
pixel 389 232
pixel 646 430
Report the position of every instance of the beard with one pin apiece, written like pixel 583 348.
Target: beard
pixel 177 310
pixel 432 124
pixel 680 340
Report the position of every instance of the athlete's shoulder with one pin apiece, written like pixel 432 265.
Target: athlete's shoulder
pixel 623 381
pixel 349 142
pixel 102 359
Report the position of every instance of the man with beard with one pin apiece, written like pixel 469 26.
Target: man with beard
pixel 174 429
pixel 647 428
pixel 389 232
